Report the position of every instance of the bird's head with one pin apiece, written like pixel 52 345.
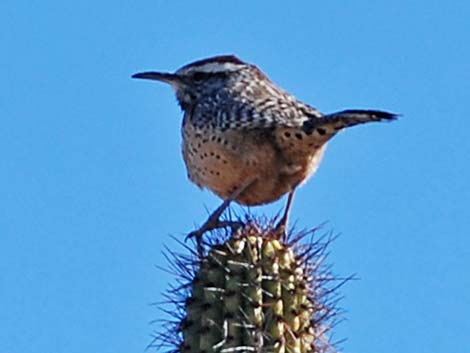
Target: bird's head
pixel 201 78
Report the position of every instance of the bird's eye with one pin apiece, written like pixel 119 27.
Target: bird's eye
pixel 199 77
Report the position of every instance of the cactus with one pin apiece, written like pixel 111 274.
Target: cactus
pixel 252 291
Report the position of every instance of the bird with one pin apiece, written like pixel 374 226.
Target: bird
pixel 245 138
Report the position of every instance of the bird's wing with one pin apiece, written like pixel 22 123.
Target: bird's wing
pixel 268 113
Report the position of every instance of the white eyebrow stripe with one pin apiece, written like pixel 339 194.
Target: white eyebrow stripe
pixel 214 67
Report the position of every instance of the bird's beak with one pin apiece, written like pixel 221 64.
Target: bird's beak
pixel 171 79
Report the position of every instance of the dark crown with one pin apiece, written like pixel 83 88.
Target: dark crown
pixel 220 59
pixel 213 65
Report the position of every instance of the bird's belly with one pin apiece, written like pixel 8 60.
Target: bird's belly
pixel 225 162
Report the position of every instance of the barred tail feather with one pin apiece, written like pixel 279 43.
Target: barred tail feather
pixel 353 117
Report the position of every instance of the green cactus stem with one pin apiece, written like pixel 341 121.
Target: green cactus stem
pixel 252 291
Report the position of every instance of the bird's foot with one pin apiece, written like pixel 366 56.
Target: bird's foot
pixel 213 222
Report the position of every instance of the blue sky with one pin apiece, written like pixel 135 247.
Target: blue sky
pixel 92 183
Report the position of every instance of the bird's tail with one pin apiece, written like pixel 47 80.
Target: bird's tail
pixel 347 118
pixel 328 125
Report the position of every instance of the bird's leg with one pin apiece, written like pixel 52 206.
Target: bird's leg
pixel 281 226
pixel 214 222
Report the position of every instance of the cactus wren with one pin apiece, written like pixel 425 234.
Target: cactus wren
pixel 246 139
